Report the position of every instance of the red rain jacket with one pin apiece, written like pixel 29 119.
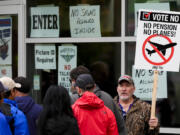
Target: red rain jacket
pixel 93 117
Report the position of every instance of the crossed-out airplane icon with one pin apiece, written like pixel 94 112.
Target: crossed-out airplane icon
pixel 160 47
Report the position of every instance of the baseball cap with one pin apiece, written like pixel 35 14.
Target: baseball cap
pixel 84 81
pixel 9 83
pixel 126 78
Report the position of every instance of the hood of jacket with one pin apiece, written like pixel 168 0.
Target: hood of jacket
pixel 89 100
pixel 25 103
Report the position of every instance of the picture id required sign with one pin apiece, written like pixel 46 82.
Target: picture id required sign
pixel 45 56
pixel 158 41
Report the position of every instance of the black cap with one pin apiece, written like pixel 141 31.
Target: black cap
pixel 85 81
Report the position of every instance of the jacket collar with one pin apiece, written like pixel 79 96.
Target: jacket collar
pixel 134 106
pixel 12 102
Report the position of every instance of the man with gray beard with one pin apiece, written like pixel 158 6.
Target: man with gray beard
pixel 136 113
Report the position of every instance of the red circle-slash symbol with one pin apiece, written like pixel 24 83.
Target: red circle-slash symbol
pixel 165 60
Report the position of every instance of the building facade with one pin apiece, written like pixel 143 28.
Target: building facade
pixel 43 40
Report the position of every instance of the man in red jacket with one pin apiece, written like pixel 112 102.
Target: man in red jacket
pixel 93 117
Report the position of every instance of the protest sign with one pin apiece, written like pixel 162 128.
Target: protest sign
pixel 67 60
pixel 45 56
pixel 85 21
pixel 157 45
pixel 45 22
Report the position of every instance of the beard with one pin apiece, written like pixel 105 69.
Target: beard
pixel 126 97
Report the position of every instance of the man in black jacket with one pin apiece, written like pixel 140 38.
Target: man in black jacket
pixel 108 101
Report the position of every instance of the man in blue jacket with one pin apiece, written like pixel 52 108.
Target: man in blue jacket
pixel 15 117
pixel 26 104
pixel 4 127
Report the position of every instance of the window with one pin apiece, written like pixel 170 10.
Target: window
pixel 103 60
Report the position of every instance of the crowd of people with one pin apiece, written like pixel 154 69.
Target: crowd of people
pixel 87 111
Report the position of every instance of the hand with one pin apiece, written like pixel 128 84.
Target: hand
pixel 153 122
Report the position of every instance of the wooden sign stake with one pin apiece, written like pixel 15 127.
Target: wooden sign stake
pixel 154 93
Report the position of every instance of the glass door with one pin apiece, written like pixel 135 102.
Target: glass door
pixel 12 47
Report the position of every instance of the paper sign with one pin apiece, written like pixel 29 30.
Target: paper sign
pixel 85 21
pixel 36 82
pixel 158 42
pixel 5 70
pixel 67 61
pixel 149 6
pixel 45 22
pixel 45 56
pixel 143 80
pixel 5 40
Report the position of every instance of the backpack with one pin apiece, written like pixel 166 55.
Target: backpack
pixel 6 110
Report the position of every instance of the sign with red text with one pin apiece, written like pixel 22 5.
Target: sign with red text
pixel 67 60
pixel 158 42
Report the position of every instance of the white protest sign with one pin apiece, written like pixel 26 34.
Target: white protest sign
pixel 157 44
pixel 85 21
pixel 149 6
pixel 45 21
pixel 5 70
pixel 45 56
pixel 67 61
pixel 143 80
pixel 5 40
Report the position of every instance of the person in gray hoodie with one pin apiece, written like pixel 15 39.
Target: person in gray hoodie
pixel 108 100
